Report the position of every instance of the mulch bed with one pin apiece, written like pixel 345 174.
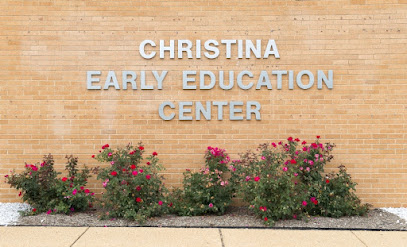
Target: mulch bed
pixel 236 217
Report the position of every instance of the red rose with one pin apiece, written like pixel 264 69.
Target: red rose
pixel 138 188
pixel 297 140
pixel 19 194
pixel 64 179
pixel 131 153
pixel 327 181
pixel 105 146
pixel 155 153
pixel 124 170
pixel 293 161
pixel 93 156
pixel 318 137
pixel 113 173
pixel 133 167
pixel 266 219
pixel 82 188
pixel 138 199
pixel 148 177
pixel 315 202
pixel 256 179
pixel 290 139
pixel 34 210
pixel 148 163
pixel 87 191
pixel 141 148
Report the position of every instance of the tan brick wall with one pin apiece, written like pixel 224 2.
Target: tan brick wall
pixel 46 47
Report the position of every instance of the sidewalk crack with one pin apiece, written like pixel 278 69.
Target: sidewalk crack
pixel 359 239
pixel 79 237
pixel 221 237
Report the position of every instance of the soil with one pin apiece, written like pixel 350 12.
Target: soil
pixel 238 217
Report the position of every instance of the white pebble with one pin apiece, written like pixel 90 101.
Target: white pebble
pixel 9 212
pixel 400 212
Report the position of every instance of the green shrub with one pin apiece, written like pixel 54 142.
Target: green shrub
pixel 285 181
pixel 335 196
pixel 45 192
pixel 133 190
pixel 207 191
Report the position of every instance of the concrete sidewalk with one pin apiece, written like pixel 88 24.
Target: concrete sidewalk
pixel 180 237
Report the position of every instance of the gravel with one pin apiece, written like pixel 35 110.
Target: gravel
pixel 377 219
pixel 400 212
pixel 9 212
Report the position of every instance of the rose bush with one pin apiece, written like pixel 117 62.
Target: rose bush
pixel 134 189
pixel 45 192
pixel 280 181
pixel 286 180
pixel 206 191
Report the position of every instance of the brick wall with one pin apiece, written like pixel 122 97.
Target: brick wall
pixel 46 48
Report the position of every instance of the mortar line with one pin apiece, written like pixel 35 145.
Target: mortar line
pixel 221 237
pixel 79 236
pixel 359 239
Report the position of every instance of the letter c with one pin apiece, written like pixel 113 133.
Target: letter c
pixel 161 110
pixel 141 49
